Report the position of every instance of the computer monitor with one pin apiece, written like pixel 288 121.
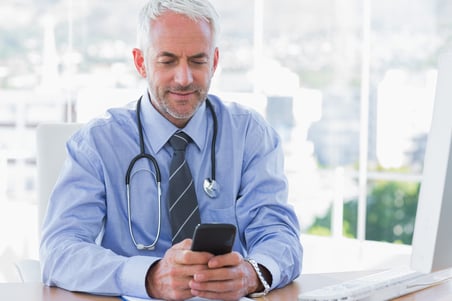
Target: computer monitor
pixel 432 238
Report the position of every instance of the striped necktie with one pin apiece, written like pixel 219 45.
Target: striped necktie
pixel 183 205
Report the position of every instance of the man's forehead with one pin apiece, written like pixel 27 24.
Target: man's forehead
pixel 178 35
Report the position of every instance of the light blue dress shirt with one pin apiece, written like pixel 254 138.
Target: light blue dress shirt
pixel 90 197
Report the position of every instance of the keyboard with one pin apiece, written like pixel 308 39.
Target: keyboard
pixel 379 286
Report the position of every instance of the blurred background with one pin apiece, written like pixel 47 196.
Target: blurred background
pixel 349 85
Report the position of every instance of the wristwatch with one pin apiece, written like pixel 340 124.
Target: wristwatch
pixel 261 279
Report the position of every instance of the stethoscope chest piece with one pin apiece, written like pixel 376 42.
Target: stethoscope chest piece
pixel 211 188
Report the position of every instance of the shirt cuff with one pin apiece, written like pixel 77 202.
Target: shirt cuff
pixel 133 275
pixel 270 265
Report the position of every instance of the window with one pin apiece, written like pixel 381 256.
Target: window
pixel 349 85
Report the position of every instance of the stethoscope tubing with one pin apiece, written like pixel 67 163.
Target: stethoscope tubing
pixel 143 155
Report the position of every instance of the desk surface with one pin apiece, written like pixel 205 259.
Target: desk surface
pixel 39 292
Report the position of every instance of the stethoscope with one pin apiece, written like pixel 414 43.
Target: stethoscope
pixel 210 185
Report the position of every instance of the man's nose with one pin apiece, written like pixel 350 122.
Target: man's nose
pixel 183 74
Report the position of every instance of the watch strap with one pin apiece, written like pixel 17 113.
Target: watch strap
pixel 261 279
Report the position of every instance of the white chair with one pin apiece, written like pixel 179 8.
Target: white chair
pixel 51 152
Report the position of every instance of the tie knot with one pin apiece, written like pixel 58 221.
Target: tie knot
pixel 179 141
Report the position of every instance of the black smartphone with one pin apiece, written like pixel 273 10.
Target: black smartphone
pixel 217 239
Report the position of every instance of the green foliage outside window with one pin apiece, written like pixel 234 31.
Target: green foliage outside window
pixel 391 212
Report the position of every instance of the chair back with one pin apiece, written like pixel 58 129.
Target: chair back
pixel 50 155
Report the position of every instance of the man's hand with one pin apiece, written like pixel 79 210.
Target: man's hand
pixel 182 274
pixel 169 278
pixel 228 277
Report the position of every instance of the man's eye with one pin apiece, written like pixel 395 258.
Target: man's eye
pixel 166 62
pixel 199 62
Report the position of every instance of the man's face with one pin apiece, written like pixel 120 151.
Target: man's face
pixel 179 65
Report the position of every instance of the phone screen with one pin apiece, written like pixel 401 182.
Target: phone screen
pixel 217 239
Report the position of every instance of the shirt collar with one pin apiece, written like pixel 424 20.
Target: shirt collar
pixel 157 129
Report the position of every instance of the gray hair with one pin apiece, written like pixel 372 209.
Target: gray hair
pixel 194 9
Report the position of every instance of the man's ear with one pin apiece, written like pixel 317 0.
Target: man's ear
pixel 138 59
pixel 216 57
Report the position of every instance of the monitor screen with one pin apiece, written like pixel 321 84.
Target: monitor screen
pixel 432 238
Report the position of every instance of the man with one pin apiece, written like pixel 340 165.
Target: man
pixel 135 254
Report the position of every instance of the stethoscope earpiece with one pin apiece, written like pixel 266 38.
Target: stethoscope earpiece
pixel 142 247
pixel 211 188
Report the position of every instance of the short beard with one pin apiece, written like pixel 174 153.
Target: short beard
pixel 162 105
